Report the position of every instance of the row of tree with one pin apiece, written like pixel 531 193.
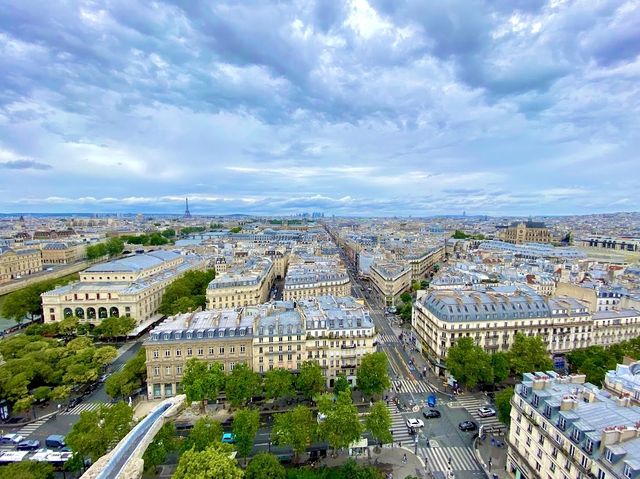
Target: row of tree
pixel 470 365
pixel 38 368
pixel 111 248
pixel 187 293
pixel 123 383
pixel 458 234
pixel 153 239
pixel 202 381
pixel 26 302
pixel 595 361
pixel 108 328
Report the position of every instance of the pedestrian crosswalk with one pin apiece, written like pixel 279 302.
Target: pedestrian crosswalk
pixel 389 339
pixel 30 428
pixel 412 386
pixel 399 427
pixel 444 459
pixel 472 405
pixel 87 406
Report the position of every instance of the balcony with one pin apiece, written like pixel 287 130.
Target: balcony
pixel 348 346
pixel 348 366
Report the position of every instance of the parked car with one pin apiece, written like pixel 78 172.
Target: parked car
pixel 228 437
pixel 413 423
pixel 55 441
pixel 28 445
pixel 431 414
pixel 12 438
pixel 467 426
pixel 486 412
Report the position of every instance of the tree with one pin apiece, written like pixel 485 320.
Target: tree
pixel 245 427
pixel 169 233
pixel 500 366
pixel 205 431
pixel 469 363
pixel 242 384
pixel 115 246
pixel 186 293
pixel 162 445
pixel 341 425
pixel 27 470
pixel 373 376
pixel 97 431
pixel 529 354
pixel 125 382
pixel 41 393
pixel 114 327
pixel 503 405
pixel 235 229
pixel 378 422
pixel 96 251
pixel 310 380
pixel 212 463
pixel 295 428
pixel 201 381
pixel 265 466
pixel 341 384
pixel 278 383
pixel 406 297
pixel 23 404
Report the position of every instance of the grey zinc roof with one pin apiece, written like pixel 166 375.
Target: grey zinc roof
pixel 134 263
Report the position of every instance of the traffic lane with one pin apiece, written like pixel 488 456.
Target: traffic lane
pixel 100 394
pixel 445 430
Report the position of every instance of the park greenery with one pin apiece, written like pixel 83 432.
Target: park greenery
pixel 98 431
pixel 235 229
pixel 111 248
pixel 242 385
pixel 378 421
pixel 201 382
pixel 26 302
pixel 471 366
pixel 278 383
pixel 595 361
pixel 153 239
pixel 39 368
pixel 372 373
pixel 187 293
pixel 295 428
pixel 503 405
pixel 205 431
pixel 349 470
pixel 213 462
pixel 458 234
pixel 125 382
pixel 187 230
pixel 341 425
pixel 71 326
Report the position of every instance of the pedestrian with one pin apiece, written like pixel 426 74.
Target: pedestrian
pixel 449 460
pixel 404 458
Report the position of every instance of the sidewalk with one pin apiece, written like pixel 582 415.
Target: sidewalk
pixel 492 458
pixel 388 460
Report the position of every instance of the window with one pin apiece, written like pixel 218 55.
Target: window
pixel 167 371
pixel 178 370
pixel 242 348
pixel 200 351
pixel 609 455
pixel 189 352
pixel 601 474
pixel 167 353
pixel 627 471
pixel 221 350
pixel 156 354
pixel 156 371
pixel 178 353
pixel 584 461
pixel 562 424
pixel 232 349
pixel 211 351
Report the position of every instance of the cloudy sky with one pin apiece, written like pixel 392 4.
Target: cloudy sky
pixel 347 107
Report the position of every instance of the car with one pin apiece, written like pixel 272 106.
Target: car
pixel 228 438
pixel 467 426
pixel 74 402
pixel 413 423
pixel 104 377
pixel 28 445
pixel 12 438
pixel 54 441
pixel 431 414
pixel 486 412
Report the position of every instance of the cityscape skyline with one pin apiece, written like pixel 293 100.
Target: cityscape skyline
pixel 349 108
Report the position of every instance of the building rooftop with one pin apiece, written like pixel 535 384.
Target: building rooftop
pixel 134 263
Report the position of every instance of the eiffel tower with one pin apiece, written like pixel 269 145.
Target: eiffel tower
pixel 187 213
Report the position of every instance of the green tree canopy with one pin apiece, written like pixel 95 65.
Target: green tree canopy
pixel 115 327
pixel 265 466
pixel 295 428
pixel 310 380
pixel 205 431
pixel 202 381
pixel 27 470
pixel 169 233
pixel 186 293
pixel 96 251
pixel 212 463
pixel 278 383
pixel 124 383
pixel 341 384
pixel 406 297
pixel 373 376
pixel 242 384
pixel 341 425
pixel 503 405
pixel 27 301
pixel 163 444
pixel 99 430
pixel 115 246
pixel 245 427
pixel 529 354
pixel 500 366
pixel 469 363
pixel 378 422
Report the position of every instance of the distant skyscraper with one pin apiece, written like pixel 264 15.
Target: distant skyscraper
pixel 187 213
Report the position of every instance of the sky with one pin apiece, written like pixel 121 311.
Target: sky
pixel 353 107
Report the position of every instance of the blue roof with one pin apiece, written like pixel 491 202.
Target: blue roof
pixel 134 263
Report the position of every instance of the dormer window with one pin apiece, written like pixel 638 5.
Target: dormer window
pixel 166 336
pixel 609 456
pixel 562 424
pixel 199 334
pixel 575 434
pixel 626 471
pixel 177 335
pixel 221 333
pixel 547 410
pixel 535 400
pixel 189 335
pixel 588 446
